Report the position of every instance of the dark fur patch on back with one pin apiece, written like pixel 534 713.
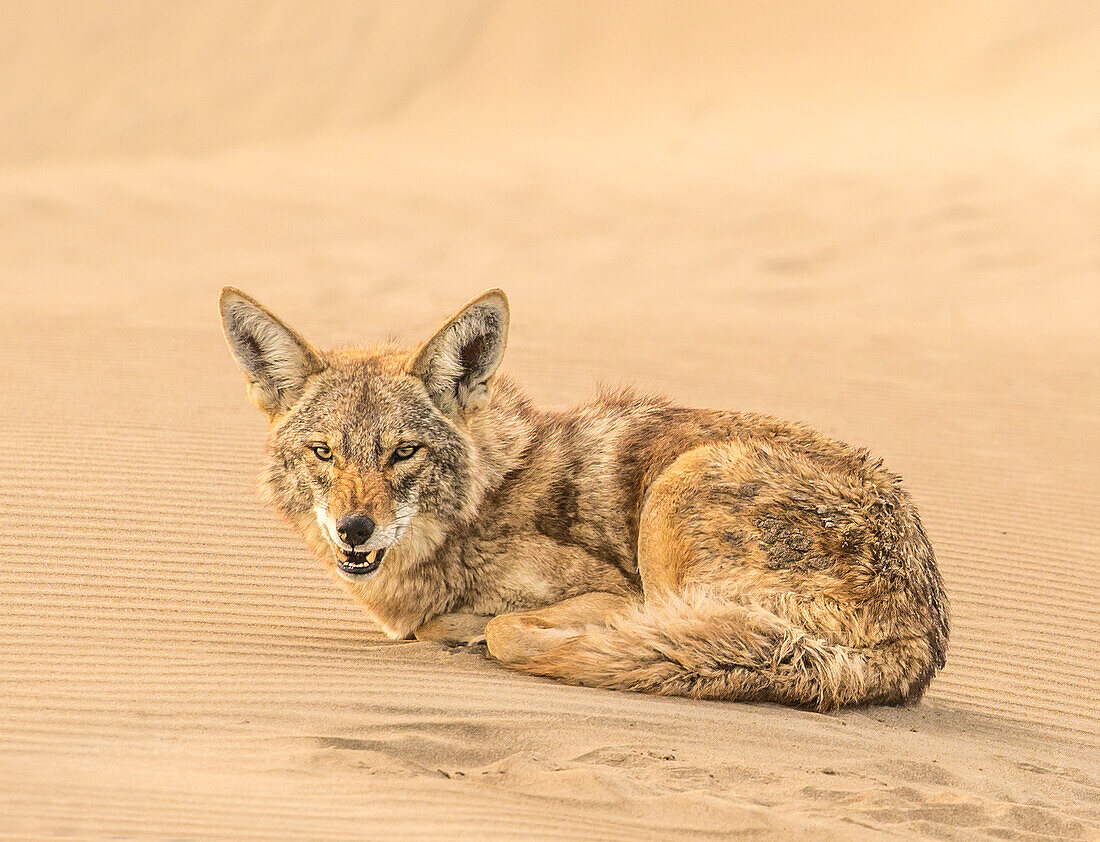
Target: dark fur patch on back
pixel 560 518
pixel 786 545
pixel 733 541
pixel 560 511
pixel 748 491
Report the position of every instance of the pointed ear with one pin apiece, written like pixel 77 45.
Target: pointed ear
pixel 458 363
pixel 274 358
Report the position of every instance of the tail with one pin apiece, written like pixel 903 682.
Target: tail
pixel 707 648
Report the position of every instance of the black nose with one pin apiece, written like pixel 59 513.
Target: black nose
pixel 355 529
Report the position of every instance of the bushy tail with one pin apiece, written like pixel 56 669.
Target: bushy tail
pixel 707 648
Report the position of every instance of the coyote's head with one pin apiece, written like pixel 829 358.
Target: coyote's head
pixel 371 451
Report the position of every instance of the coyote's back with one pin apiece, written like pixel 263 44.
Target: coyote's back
pixel 776 564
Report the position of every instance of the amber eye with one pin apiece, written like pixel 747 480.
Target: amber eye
pixel 404 452
pixel 322 452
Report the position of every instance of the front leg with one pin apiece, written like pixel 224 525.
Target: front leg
pixel 458 629
pixel 514 638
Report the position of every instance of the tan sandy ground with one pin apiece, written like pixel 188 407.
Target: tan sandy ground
pixel 882 219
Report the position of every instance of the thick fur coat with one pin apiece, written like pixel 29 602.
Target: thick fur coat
pixel 626 543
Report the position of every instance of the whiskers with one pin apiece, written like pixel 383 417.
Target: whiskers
pixel 417 536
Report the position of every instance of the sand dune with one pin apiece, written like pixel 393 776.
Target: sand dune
pixel 878 220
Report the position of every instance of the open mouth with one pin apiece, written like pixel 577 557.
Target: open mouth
pixel 360 564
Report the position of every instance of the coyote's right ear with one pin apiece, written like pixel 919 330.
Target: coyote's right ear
pixel 274 358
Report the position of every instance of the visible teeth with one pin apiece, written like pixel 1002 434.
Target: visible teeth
pixel 368 559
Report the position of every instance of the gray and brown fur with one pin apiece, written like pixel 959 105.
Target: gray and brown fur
pixel 626 543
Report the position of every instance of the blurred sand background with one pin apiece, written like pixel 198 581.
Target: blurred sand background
pixel 881 218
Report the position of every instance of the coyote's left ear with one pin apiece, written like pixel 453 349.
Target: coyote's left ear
pixel 458 363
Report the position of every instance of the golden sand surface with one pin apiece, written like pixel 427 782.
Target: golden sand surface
pixel 882 219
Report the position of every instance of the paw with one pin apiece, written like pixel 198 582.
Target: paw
pixel 452 641
pixel 454 630
pixel 515 638
pixel 502 637
pixel 471 640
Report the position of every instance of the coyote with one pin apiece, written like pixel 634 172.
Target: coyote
pixel 627 543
